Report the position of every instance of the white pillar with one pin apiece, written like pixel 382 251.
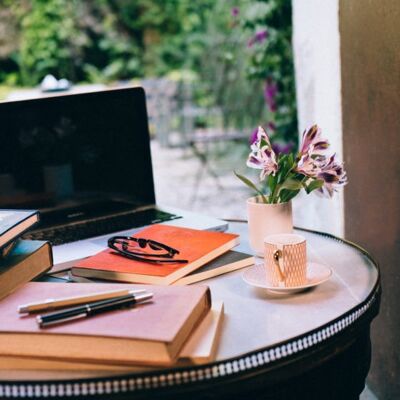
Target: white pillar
pixel 316 45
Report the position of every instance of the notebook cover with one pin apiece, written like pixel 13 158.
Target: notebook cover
pixel 230 261
pixel 13 223
pixel 159 321
pixel 196 246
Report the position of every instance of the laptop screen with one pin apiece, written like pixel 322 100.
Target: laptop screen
pixel 76 156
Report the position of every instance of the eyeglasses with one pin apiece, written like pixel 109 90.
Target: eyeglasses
pixel 134 248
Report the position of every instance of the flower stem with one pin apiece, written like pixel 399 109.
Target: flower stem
pixel 273 196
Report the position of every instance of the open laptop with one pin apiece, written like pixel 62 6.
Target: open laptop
pixel 84 161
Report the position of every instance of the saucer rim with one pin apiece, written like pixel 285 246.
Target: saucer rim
pixel 291 288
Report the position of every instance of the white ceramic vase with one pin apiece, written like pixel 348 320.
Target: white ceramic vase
pixel 267 219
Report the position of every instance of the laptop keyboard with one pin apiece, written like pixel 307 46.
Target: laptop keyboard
pixel 71 233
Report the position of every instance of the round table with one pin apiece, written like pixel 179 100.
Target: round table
pixel 312 345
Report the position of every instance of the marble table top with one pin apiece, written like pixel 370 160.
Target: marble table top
pixel 259 326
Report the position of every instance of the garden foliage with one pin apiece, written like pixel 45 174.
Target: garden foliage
pixel 236 54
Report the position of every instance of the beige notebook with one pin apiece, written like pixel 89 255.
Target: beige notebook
pixel 200 348
pixel 203 343
pixel 152 333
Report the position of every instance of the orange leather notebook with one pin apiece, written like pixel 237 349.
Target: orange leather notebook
pixel 151 333
pixel 198 247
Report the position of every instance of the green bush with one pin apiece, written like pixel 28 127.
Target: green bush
pixel 215 42
pixel 50 41
pixel 270 59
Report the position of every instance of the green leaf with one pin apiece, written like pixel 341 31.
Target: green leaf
pixel 251 185
pixel 285 165
pixel 316 184
pixel 292 184
pixel 291 160
pixel 271 183
pixel 287 195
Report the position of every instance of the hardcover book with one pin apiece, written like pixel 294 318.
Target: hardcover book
pixel 6 250
pixel 230 261
pixel 200 348
pixel 27 260
pixel 198 247
pixel 150 333
pixel 14 223
pixel 202 345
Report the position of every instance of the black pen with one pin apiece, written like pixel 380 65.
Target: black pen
pixel 87 310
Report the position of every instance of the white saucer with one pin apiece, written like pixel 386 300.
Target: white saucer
pixel 316 274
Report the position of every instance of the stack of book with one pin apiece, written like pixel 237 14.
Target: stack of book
pixel 208 254
pixel 177 325
pixel 20 260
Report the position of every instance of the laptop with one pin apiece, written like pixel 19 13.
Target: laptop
pixel 83 160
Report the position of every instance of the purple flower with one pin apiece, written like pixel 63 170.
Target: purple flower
pixel 312 142
pixel 310 165
pixel 272 127
pixel 235 12
pixel 259 37
pixel 270 92
pixel 282 148
pixel 262 156
pixel 253 136
pixel 333 175
pixel 311 154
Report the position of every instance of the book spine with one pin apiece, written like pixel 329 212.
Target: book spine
pixel 199 312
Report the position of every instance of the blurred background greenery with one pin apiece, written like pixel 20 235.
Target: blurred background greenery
pixel 235 55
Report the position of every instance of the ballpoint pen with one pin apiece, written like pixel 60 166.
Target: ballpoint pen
pixel 53 304
pixel 91 309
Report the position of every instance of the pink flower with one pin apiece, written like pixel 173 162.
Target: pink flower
pixel 309 166
pixel 312 142
pixel 272 127
pixel 262 156
pixel 333 175
pixel 311 152
pixel 253 136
